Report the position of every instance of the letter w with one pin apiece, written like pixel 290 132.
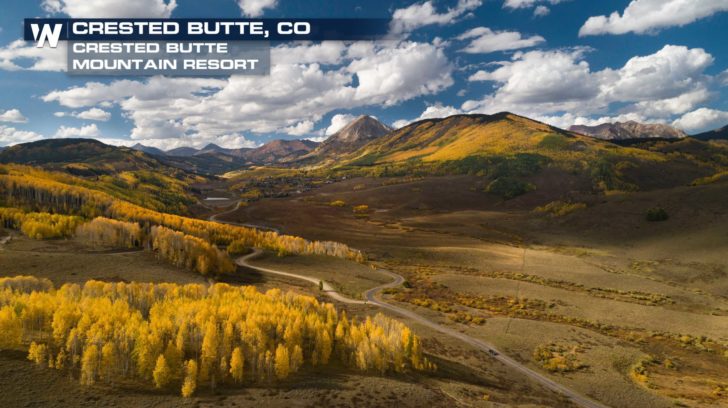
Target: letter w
pixel 47 33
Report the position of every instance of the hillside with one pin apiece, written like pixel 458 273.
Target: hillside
pixel 509 146
pixel 629 130
pixel 351 137
pixel 717 134
pixel 278 151
pixel 120 171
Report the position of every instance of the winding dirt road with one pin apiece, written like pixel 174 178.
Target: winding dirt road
pixel 371 299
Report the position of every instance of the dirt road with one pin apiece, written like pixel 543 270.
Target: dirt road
pixel 372 299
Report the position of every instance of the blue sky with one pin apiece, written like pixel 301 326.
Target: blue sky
pixel 561 61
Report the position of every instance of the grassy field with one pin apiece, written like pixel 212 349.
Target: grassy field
pixel 349 278
pixel 645 304
pixel 463 377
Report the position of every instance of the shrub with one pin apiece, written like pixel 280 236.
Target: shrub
pixel 337 203
pixel 656 214
pixel 361 209
pixel 560 208
pixel 508 187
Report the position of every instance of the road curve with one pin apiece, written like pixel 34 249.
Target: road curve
pixel 239 224
pixel 397 280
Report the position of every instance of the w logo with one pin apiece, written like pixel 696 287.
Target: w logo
pixel 49 32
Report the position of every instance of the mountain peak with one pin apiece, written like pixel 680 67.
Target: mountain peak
pixel 630 130
pixel 359 131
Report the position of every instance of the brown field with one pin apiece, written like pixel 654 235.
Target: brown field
pixel 623 291
pixel 464 376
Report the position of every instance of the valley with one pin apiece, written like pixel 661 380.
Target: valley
pixel 536 266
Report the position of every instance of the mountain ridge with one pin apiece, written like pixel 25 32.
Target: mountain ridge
pixel 629 130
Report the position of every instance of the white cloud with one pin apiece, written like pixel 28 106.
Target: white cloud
pixel 254 8
pixel 486 40
pixel 435 111
pixel 423 14
pixel 647 16
pixel 111 8
pixel 520 4
pixel 290 100
pixel 701 120
pixel 83 132
pixel 541 11
pixel 399 124
pixel 542 84
pixel 91 114
pixel 41 59
pixel 13 116
pixel 338 121
pixel 299 129
pixel 11 135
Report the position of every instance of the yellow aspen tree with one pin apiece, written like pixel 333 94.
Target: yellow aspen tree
pixel 416 353
pixel 209 353
pixel 109 360
pixel 11 328
pixel 174 357
pixel 296 358
pixel 282 362
pixel 37 353
pixel 89 365
pixel 237 365
pixel 161 374
pixel 323 346
pixel 190 383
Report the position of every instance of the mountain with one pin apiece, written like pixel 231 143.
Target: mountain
pixel 519 152
pixel 629 130
pixel 279 151
pixel 124 172
pixel 182 152
pixel 717 134
pixel 351 137
pixel 79 156
pixel 148 149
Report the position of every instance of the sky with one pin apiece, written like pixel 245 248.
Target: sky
pixel 564 62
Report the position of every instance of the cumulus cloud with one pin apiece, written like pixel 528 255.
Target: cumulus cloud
pixel 423 14
pixel 701 120
pixel 12 116
pixel 255 8
pixel 486 40
pixel 111 8
pixel 338 121
pixel 299 129
pixel 539 6
pixel 291 100
pixel 91 114
pixel 541 11
pixel 519 4
pixel 83 132
pixel 435 111
pixel 647 16
pixel 11 135
pixel 20 56
pixel 543 83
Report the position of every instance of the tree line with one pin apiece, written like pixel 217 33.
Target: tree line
pixel 33 192
pixel 177 248
pixel 185 337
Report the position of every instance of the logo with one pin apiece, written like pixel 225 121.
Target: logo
pixel 49 32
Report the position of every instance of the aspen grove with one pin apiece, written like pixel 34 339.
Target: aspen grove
pixel 185 337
